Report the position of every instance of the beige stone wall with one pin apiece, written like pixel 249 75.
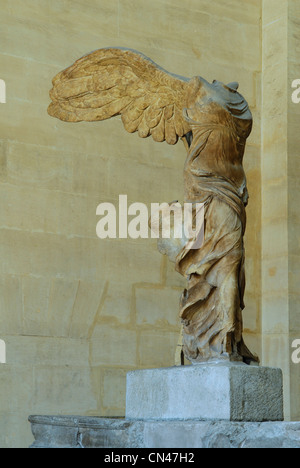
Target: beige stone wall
pixel 293 201
pixel 280 194
pixel 275 294
pixel 77 313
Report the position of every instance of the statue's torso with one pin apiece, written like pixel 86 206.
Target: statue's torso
pixel 215 152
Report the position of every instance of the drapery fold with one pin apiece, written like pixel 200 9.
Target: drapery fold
pixel 211 305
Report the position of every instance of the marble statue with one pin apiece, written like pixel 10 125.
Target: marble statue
pixel 213 121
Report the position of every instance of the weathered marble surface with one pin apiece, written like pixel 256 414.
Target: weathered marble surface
pixel 87 432
pixel 223 391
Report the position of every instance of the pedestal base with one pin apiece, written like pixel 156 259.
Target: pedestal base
pixel 87 432
pixel 196 406
pixel 223 391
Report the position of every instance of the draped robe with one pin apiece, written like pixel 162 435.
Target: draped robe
pixel 211 305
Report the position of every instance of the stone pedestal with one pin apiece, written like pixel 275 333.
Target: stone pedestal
pixel 87 432
pixel 222 391
pixel 201 406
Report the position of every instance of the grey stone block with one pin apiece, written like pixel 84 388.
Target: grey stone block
pixel 223 391
pixel 221 434
pixel 88 432
pixel 84 432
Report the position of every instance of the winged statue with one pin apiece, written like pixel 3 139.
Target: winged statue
pixel 214 121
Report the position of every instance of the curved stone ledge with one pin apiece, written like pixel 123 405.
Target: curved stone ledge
pixel 92 432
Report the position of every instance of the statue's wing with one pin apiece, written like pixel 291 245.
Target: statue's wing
pixel 116 81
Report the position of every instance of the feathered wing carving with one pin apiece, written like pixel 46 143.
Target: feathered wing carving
pixel 116 81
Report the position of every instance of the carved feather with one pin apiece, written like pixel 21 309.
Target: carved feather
pixel 116 81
